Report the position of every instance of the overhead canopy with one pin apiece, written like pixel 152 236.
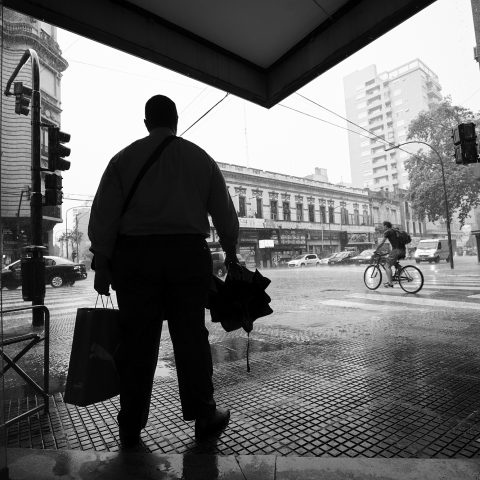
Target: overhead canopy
pixel 259 50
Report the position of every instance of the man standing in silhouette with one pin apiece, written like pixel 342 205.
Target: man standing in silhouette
pixel 155 255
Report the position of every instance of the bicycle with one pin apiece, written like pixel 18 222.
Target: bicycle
pixel 409 277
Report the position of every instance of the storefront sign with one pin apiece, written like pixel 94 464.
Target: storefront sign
pixel 265 243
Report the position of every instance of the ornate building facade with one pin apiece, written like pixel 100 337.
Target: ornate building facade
pixel 21 32
pixel 283 216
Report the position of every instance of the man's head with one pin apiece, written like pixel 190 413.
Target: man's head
pixel 160 111
pixel 387 224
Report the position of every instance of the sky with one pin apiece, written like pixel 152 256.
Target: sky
pixel 104 92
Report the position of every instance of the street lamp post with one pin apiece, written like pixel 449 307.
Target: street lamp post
pixel 66 225
pixel 447 210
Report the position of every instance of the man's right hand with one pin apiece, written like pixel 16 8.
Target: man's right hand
pixel 233 266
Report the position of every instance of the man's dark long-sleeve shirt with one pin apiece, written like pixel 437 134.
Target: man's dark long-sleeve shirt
pixel 174 197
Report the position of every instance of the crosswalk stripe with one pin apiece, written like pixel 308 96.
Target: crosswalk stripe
pixel 378 297
pixel 363 306
pixel 453 287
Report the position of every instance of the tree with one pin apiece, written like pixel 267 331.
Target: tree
pixel 426 193
pixel 71 237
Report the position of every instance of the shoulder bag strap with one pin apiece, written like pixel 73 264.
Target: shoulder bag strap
pixel 153 157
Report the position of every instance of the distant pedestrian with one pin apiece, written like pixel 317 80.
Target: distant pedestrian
pixel 156 257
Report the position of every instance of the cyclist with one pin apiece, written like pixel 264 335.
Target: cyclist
pixel 398 251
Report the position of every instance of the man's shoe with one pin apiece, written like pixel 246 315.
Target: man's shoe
pixel 128 439
pixel 388 285
pixel 212 425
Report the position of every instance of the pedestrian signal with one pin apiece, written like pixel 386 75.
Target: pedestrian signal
pixel 465 142
pixel 22 98
pixel 57 150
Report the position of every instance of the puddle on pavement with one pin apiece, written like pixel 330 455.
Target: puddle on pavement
pixel 228 350
pixel 165 369
pixel 236 348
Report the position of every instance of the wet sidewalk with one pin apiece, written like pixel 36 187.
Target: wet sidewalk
pixel 77 465
pixel 363 397
pixel 307 395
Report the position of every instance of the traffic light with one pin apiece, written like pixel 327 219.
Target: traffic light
pixel 53 189
pixel 22 98
pixel 56 149
pixel 465 141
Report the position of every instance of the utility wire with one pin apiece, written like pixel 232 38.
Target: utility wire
pixel 205 114
pixel 196 97
pixel 325 121
pixel 118 70
pixel 358 126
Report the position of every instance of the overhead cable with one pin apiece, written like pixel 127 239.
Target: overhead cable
pixel 206 113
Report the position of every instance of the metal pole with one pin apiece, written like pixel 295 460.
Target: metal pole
pixel 36 199
pixel 340 234
pixel 447 209
pixel 66 238
pixel 76 235
pixel 36 213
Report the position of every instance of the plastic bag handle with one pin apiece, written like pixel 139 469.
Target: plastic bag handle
pixel 104 305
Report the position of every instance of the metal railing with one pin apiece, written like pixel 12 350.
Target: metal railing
pixel 33 339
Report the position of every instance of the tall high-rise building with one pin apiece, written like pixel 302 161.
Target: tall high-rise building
pixel 385 104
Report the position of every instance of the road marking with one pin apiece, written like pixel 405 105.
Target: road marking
pixel 453 287
pixel 477 295
pixel 364 306
pixel 424 302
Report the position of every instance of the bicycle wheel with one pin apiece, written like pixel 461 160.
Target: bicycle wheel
pixel 410 279
pixel 372 277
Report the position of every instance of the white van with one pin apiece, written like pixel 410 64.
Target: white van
pixel 433 250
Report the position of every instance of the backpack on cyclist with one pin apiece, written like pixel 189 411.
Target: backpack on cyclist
pixel 403 237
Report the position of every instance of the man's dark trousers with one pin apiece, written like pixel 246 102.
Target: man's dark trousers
pixel 159 277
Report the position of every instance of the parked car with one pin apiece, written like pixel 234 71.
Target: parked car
pixel 341 258
pixel 58 272
pixel 364 257
pixel 305 260
pixel 324 261
pixel 218 260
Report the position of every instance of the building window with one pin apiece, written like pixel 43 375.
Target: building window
pixel 414 229
pixel 259 208
pixel 311 213
pixel 344 215
pixel 242 210
pixel 356 217
pixel 365 218
pixel 273 209
pixel 300 212
pixel 323 214
pixel 286 211
pixel 331 218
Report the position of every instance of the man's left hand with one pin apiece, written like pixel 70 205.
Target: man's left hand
pixel 103 281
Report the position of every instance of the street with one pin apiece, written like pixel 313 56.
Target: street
pixel 333 353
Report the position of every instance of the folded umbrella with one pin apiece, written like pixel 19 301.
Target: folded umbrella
pixel 239 300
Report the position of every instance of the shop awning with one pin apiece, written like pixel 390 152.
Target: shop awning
pixel 259 50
